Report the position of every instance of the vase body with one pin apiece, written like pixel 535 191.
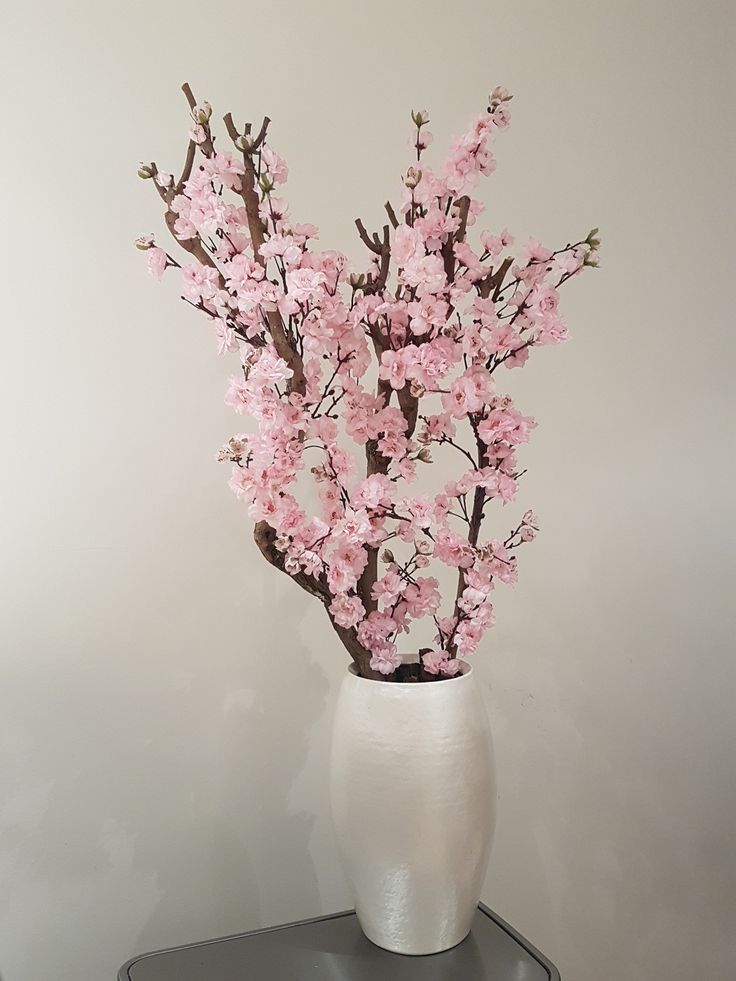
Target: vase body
pixel 413 802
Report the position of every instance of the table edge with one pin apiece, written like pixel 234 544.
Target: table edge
pixel 554 974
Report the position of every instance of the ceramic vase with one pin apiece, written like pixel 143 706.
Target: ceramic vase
pixel 413 802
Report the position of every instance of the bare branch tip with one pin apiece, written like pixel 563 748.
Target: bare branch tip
pixel 187 90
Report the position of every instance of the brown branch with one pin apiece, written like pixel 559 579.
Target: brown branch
pixel 463 211
pixel 494 280
pixel 193 246
pixel 381 247
pixel 500 276
pixel 391 214
pixel 186 89
pixel 188 164
pixel 257 231
pixel 409 406
pixel 476 517
pixel 232 130
pixel 448 255
pixel 265 539
pixel 207 147
pixel 261 134
pixel 365 237
pixel 376 462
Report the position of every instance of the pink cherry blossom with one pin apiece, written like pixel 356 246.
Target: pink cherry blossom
pixel 347 610
pixel 157 261
pixel 337 469
pixel 304 283
pixel 385 659
pixel 393 367
pixel 438 662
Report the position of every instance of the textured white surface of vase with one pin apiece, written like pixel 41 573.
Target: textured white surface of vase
pixel 413 801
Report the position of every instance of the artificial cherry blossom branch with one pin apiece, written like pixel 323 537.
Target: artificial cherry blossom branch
pixel 307 330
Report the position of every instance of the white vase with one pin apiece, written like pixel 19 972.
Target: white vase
pixel 413 801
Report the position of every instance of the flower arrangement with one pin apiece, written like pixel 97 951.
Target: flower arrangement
pixel 355 379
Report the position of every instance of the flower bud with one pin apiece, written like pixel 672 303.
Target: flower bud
pixel 592 240
pixel 416 388
pixel 500 94
pixel 420 117
pixel 266 183
pixel 357 280
pixel 145 172
pixel 424 455
pixel 413 176
pixel 164 180
pixel 244 143
pixel 144 242
pixel 202 113
pixel 387 556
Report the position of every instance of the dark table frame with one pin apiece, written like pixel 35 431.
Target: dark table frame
pixel 552 972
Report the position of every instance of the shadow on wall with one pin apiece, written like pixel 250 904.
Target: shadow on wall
pixel 160 811
pixel 251 845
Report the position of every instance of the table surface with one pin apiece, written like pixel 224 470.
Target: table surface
pixel 332 948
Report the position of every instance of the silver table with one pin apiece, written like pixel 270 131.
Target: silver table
pixel 332 948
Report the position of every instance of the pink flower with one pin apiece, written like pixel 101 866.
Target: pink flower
pixel 545 298
pixel 426 275
pixel 308 331
pixel 375 491
pixel 452 549
pixel 237 395
pixel 535 252
pixel 270 368
pixel 355 527
pixel 345 565
pixel 275 165
pixel 438 662
pixel 495 244
pixel 421 510
pixel 422 598
pixel 199 282
pixel 408 246
pixel 433 661
pixel 435 427
pixel 468 393
pixel 507 425
pixel 385 659
pixel 282 245
pixel 240 482
pixel 393 367
pixel 347 610
pixel 227 340
pixel 428 313
pixel 374 633
pixel 387 588
pixel 302 284
pixel 156 262
pixel 225 168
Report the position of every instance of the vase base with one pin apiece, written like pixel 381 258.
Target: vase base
pixel 399 945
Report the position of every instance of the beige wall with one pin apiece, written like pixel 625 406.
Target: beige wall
pixel 157 789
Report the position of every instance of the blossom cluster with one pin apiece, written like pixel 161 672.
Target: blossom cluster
pixel 355 377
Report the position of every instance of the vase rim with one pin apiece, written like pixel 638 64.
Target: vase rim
pixel 465 671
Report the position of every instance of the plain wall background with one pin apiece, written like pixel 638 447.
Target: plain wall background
pixel 156 787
